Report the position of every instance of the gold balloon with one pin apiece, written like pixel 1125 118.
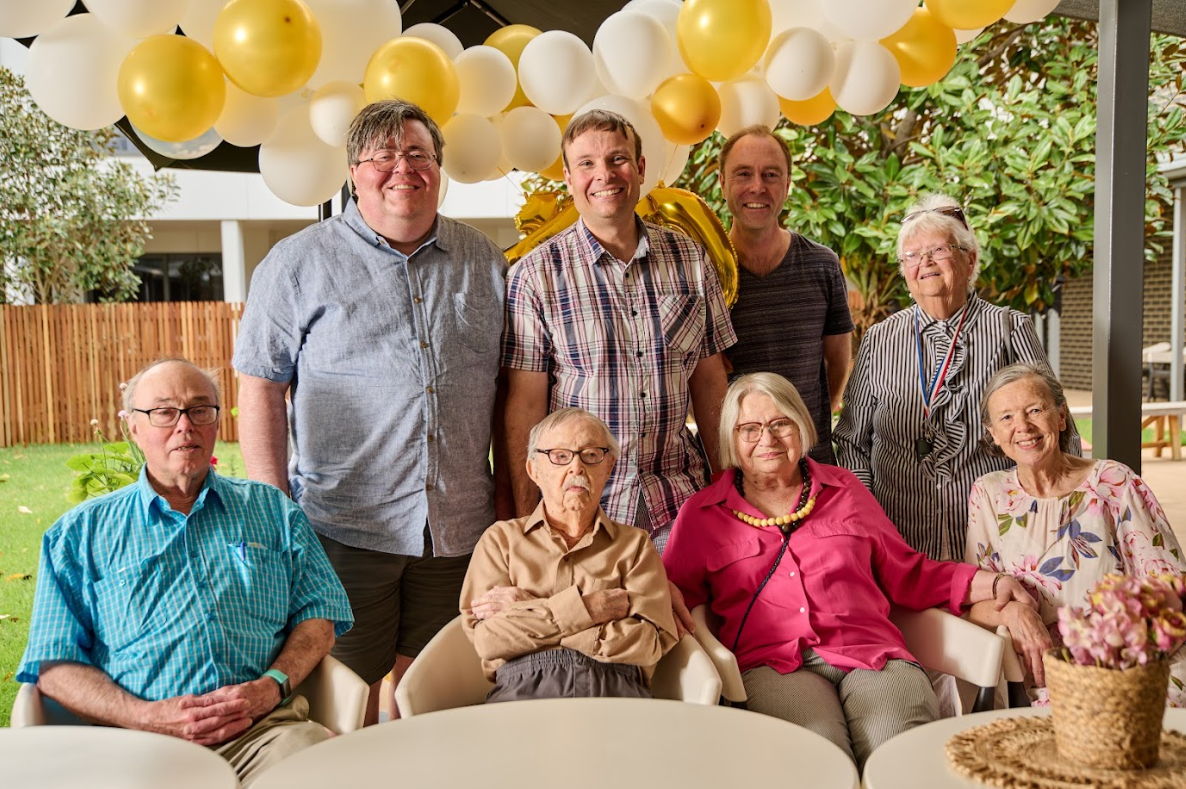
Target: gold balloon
pixel 555 170
pixel 809 112
pixel 547 213
pixel 510 40
pixel 687 108
pixel 722 39
pixel 267 47
pixel 414 70
pixel 562 121
pixel 924 48
pixel 171 87
pixel 968 14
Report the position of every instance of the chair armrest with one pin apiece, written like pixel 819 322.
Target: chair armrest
pixel 27 709
pixel 943 642
pixel 686 673
pixel 337 696
pixel 1010 664
pixel 446 674
pixel 732 688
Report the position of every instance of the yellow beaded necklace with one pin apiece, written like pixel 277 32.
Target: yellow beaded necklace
pixel 806 504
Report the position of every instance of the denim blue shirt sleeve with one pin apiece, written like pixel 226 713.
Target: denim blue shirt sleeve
pixel 392 361
pixel 167 604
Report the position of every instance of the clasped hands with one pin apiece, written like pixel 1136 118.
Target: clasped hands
pixel 215 717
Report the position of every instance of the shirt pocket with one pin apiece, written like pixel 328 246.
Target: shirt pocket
pixel 836 556
pixel 258 583
pixel 128 603
pixel 682 322
pixel 478 324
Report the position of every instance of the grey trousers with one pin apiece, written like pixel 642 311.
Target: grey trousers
pixel 566 674
pixel 857 709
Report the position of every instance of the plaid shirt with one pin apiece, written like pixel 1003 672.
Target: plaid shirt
pixel 621 340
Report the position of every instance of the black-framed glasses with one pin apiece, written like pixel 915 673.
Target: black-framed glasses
pixel 751 432
pixel 199 415
pixel 953 211
pixel 385 161
pixel 940 254
pixel 590 456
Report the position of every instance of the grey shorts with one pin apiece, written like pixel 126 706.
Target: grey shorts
pixel 566 674
pixel 399 603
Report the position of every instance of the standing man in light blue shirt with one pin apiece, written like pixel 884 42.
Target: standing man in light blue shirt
pixel 381 325
pixel 187 604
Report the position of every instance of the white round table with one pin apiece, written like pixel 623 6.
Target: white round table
pixel 574 743
pixel 919 757
pixel 98 757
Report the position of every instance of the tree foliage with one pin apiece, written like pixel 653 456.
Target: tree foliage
pixel 1010 131
pixel 71 217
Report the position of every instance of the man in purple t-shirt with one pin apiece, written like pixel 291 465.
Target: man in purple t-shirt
pixel 791 315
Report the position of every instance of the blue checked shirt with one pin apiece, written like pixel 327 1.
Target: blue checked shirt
pixel 166 604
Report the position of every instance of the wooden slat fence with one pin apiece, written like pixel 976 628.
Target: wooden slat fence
pixel 61 364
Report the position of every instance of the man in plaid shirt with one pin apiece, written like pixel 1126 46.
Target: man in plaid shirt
pixel 624 319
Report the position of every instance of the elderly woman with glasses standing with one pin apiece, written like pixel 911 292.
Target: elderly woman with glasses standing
pixel 799 565
pixel 910 422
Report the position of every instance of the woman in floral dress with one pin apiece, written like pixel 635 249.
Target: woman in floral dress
pixel 1056 522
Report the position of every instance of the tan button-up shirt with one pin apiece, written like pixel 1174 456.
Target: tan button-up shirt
pixel 526 553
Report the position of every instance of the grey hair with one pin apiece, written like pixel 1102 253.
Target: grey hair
pixel 129 388
pixel 929 220
pixel 785 396
pixel 562 415
pixel 380 121
pixel 1019 372
pixel 599 120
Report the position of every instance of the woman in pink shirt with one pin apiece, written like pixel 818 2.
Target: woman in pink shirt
pixel 799 565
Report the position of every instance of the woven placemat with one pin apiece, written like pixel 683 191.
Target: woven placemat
pixel 1019 753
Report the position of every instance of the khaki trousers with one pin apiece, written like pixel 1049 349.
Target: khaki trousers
pixel 276 736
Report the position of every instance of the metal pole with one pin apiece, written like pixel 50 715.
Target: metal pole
pixel 1118 278
pixel 1178 293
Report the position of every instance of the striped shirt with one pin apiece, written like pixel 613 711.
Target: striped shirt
pixel 781 319
pixel 167 604
pixel 883 419
pixel 621 339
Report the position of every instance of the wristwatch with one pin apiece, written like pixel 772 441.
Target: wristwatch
pixel 281 680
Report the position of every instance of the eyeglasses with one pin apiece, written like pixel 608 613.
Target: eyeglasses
pixel 939 254
pixel 590 456
pixel 385 161
pixel 751 432
pixel 199 415
pixel 953 211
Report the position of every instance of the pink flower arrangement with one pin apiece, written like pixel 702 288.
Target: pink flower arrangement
pixel 1129 622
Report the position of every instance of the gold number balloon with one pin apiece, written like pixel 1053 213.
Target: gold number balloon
pixel 687 108
pixel 267 47
pixel 924 49
pixel 968 14
pixel 809 112
pixel 510 40
pixel 722 39
pixel 171 87
pixel 414 70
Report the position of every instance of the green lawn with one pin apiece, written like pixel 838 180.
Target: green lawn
pixel 33 485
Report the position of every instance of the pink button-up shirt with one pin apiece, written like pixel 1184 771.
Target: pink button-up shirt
pixel 833 588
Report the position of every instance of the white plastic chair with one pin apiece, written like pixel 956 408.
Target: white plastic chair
pixel 448 673
pixel 337 700
pixel 939 640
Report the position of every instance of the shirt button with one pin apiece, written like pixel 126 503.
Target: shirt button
pixel 639 354
pixel 634 313
pixel 642 394
pixel 792 573
pixel 429 486
pixel 802 610
pixel 429 389
pixel 423 344
pixel 432 438
pixel 417 299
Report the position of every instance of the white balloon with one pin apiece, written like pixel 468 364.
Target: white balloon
pixel 1025 11
pixel 675 159
pixel 297 166
pixel 866 77
pixel 246 120
pixel 24 18
pixel 351 31
pixel 332 108
pixel 138 18
pixel 633 53
pixel 556 71
pixel 487 81
pixel 964 36
pixel 444 189
pixel 666 12
pixel 472 148
pixel 645 126
pixel 440 35
pixel 785 14
pixel 74 71
pixel 530 138
pixel 745 102
pixel 197 21
pixel 799 63
pixel 868 21
pixel 189 149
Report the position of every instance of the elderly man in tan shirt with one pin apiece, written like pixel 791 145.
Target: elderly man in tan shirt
pixel 565 602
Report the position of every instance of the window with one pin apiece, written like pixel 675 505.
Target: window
pixel 180 277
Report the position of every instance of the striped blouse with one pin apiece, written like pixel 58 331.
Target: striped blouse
pixel 879 429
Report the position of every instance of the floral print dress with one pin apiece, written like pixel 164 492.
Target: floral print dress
pixel 1060 547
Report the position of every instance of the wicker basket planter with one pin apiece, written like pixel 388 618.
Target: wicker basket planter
pixel 1107 718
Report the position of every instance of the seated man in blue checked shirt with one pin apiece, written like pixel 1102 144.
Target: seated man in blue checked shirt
pixel 188 603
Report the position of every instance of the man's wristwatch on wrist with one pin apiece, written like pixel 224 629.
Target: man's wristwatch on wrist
pixel 281 680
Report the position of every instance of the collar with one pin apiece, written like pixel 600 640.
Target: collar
pixel 150 498
pixel 597 253
pixel 601 522
pixel 972 306
pixel 441 233
pixel 722 490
